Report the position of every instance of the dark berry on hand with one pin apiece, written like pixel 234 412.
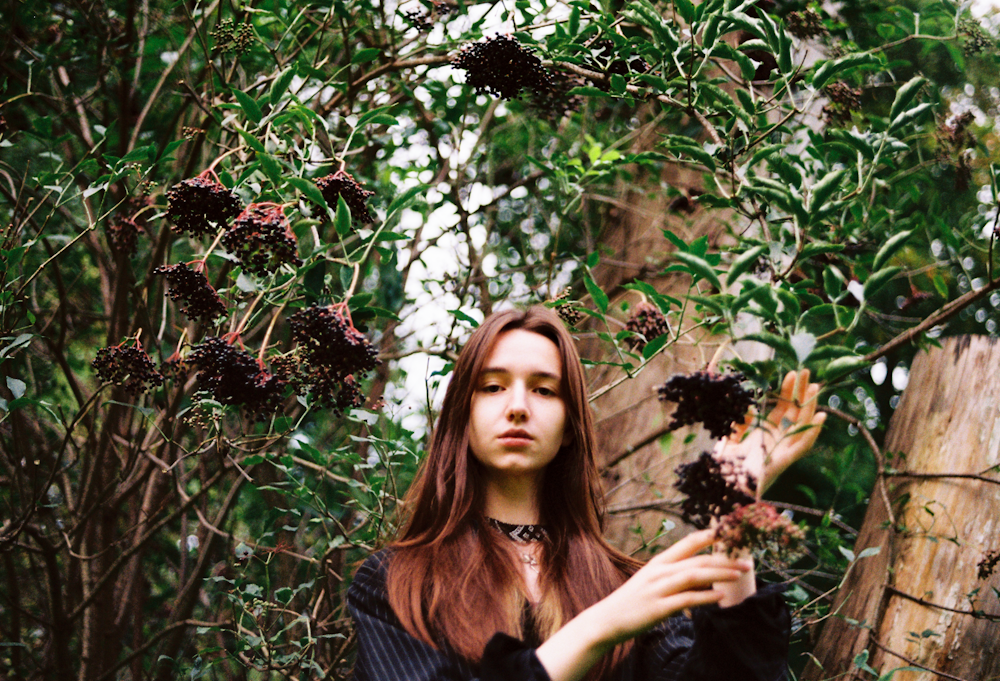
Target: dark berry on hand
pixel 759 527
pixel 709 491
pixel 715 400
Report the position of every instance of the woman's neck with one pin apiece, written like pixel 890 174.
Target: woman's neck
pixel 513 500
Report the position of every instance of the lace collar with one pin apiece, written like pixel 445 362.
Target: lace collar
pixel 522 534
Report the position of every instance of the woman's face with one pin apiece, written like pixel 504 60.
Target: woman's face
pixel 518 418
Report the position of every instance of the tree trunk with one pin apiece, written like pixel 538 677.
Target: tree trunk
pixel 919 601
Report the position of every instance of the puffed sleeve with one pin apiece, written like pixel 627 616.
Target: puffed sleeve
pixel 386 652
pixel 748 641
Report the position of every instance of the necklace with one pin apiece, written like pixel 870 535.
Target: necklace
pixel 521 535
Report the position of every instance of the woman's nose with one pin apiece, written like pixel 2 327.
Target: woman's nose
pixel 517 406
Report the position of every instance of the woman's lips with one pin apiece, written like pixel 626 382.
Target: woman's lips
pixel 516 438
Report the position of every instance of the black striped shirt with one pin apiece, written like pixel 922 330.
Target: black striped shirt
pixel 747 642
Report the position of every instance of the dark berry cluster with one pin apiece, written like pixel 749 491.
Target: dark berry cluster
pixel 342 184
pixel 501 66
pixel 806 24
pixel 424 21
pixel 234 377
pixel 232 37
pixel 128 366
pixel 191 289
pixel 333 353
pixel 988 564
pixel 844 100
pixel 174 368
pixel 975 40
pixel 759 526
pixel 200 205
pixel 715 400
pixel 647 320
pixel 123 229
pixel 556 102
pixel 709 492
pixel 262 239
pixel 570 315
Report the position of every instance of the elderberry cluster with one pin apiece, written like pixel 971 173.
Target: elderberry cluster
pixel 234 377
pixel 342 184
pixel 556 102
pixel 806 24
pixel 262 240
pixel 191 288
pixel 334 354
pixel 759 526
pixel 123 229
pixel 564 308
pixel 709 492
pixel 715 400
pixel 844 100
pixel 198 206
pixel 988 564
pixel 128 366
pixel 647 320
pixel 501 66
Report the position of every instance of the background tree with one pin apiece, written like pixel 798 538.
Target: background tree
pixel 227 228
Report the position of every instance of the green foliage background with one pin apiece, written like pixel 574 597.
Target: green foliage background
pixel 163 534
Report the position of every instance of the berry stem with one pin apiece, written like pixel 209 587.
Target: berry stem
pixel 712 363
pixel 202 262
pixel 267 334
pixel 246 317
pixel 354 280
pixel 211 167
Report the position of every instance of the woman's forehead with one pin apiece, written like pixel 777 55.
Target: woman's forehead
pixel 521 351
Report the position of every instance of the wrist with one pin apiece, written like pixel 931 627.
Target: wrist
pixel 569 653
pixel 734 593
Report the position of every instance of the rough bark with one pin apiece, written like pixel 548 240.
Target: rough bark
pixel 910 605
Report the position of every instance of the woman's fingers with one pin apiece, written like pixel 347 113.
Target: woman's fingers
pixel 686 547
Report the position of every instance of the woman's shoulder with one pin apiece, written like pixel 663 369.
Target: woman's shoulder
pixel 371 575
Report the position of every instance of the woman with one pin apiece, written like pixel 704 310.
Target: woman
pixel 500 570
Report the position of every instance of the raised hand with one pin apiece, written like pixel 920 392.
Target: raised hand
pixel 767 446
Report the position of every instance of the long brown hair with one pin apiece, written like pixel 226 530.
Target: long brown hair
pixel 451 580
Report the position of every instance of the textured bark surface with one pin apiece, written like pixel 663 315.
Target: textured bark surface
pixel 910 605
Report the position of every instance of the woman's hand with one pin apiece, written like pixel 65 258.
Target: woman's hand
pixel 672 581
pixel 767 446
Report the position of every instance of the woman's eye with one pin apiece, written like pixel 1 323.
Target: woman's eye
pixel 491 388
pixel 546 392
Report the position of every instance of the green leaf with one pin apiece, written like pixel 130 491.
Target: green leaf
pixel 249 105
pixel 908 116
pixel 251 141
pixel 905 95
pixel 309 188
pixel 686 9
pixel 841 367
pixel 342 221
pixel 280 86
pixel 366 55
pixel 825 188
pixel 405 199
pixel 780 345
pixel 458 314
pixel 700 267
pixel 743 263
pixel 271 167
pixel 599 296
pixel 829 69
pixel 819 247
pixel 889 248
pixel 16 386
pixel 940 286
pixel 880 279
pixel 653 346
